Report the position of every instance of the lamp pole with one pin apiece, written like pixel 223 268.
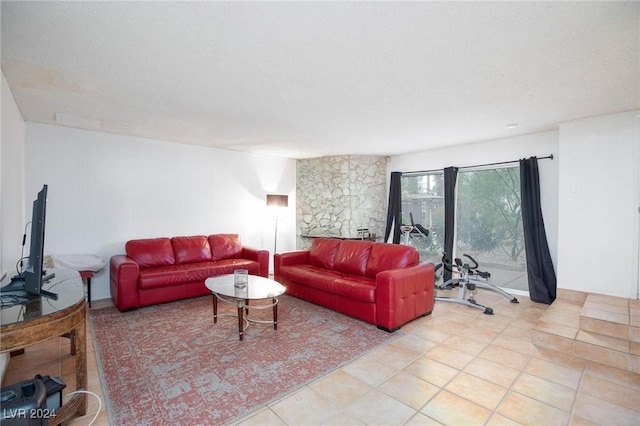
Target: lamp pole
pixel 275 237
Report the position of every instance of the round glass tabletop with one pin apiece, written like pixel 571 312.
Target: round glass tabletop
pixel 257 287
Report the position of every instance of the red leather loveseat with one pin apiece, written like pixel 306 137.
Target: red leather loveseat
pixel 162 270
pixel 383 284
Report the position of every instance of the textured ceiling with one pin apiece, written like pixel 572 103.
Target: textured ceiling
pixel 306 79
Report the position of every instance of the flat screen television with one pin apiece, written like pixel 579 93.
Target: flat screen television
pixel 31 279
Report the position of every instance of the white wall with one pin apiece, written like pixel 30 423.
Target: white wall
pixel 105 189
pixel 12 219
pixel 539 145
pixel 599 193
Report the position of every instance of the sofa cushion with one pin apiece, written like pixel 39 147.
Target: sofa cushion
pixel 360 288
pixel 338 283
pixel 171 275
pixel 164 276
pixel 225 246
pixel 385 256
pixel 309 275
pixel 227 266
pixel 323 252
pixel 352 256
pixel 150 252
pixel 191 249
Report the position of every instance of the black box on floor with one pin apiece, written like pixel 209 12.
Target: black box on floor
pixel 24 404
pixel 54 386
pixel 31 402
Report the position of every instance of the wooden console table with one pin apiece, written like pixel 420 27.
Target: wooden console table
pixel 40 319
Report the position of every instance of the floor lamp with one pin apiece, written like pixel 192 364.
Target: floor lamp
pixel 277 202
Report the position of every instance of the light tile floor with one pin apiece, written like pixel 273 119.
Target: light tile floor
pixel 455 367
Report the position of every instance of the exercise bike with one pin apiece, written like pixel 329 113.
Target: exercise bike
pixel 468 280
pixel 415 230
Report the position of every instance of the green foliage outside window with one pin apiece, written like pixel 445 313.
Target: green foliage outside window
pixel 489 212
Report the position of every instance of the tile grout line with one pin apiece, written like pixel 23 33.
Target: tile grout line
pixel 575 395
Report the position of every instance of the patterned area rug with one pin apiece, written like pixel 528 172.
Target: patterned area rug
pixel 170 364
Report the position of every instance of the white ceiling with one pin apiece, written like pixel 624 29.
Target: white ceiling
pixel 307 79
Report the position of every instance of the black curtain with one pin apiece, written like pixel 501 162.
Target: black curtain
pixel 395 208
pixel 450 176
pixel 542 277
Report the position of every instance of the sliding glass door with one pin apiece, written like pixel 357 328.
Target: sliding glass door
pixel 489 224
pixel 488 220
pixel 423 200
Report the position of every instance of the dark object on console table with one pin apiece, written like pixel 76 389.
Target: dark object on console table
pixel 361 236
pixel 383 284
pixel 160 270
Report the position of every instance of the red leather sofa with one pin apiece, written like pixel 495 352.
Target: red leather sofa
pixel 162 270
pixel 383 284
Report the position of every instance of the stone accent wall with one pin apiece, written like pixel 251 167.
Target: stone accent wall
pixel 336 196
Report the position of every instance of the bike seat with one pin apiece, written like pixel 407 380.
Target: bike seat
pixel 483 274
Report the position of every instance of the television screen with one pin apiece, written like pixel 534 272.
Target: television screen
pixel 32 277
pixel 33 273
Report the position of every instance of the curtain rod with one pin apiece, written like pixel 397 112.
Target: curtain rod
pixel 420 172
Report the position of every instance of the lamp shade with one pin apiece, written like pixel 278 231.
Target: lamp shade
pixel 277 200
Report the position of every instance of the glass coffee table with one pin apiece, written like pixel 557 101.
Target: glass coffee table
pixel 257 288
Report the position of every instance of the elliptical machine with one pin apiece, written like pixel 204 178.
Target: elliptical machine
pixel 468 280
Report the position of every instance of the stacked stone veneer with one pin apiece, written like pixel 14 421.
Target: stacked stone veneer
pixel 335 196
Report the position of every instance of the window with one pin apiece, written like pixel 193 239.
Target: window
pixel 488 220
pixel 489 224
pixel 423 199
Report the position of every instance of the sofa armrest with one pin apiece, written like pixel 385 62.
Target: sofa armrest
pixel 260 256
pixel 124 273
pixel 298 257
pixel 291 258
pixel 404 294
